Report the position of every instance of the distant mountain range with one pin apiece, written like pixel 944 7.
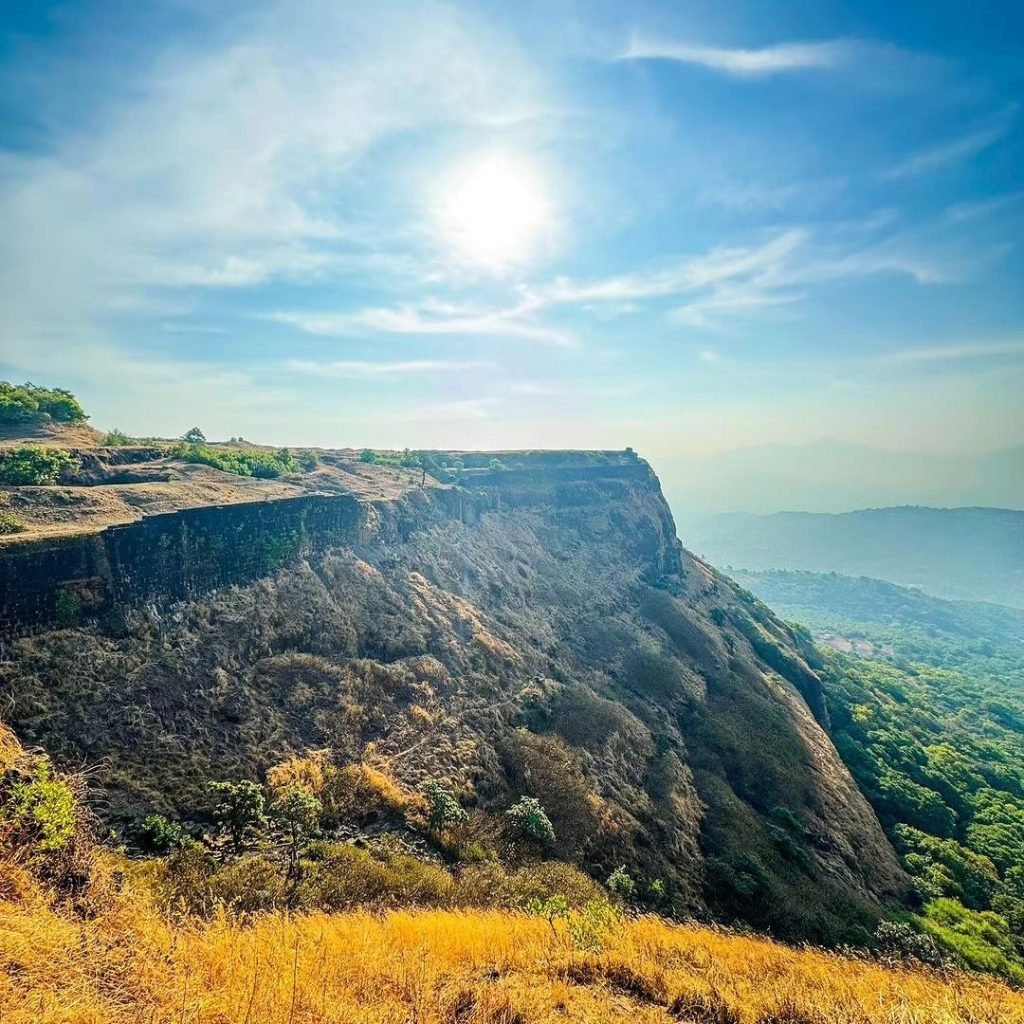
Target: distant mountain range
pixel 835 476
pixel 972 554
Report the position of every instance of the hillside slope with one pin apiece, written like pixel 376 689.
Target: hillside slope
pixel 540 631
pixel 973 554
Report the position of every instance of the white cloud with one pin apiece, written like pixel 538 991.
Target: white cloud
pixel 746 63
pixel 367 368
pixel 423 319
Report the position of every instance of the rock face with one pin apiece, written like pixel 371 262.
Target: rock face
pixel 537 630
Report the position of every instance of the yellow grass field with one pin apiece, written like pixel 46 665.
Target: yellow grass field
pixel 131 966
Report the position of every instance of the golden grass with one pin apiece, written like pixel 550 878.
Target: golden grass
pixel 131 966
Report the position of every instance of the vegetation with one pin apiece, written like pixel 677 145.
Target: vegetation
pixel 255 462
pixel 30 403
pixel 116 439
pixel 35 465
pixel 10 523
pixel 934 736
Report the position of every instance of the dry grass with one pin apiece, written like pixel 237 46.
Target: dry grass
pixel 434 967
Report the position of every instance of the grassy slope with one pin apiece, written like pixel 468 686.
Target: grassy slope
pixel 130 965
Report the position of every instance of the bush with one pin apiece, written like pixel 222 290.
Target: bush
pixel 339 877
pixel 116 438
pixel 158 835
pixel 550 878
pixel 526 820
pixel 9 523
pixel 296 811
pixel 35 465
pixel 620 884
pixel 898 941
pixel 43 810
pixel 444 810
pixel 29 403
pixel 254 462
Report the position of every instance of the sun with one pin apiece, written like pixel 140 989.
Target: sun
pixel 493 210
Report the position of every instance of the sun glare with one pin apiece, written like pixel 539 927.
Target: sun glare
pixel 493 211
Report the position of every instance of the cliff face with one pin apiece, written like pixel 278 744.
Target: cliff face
pixel 539 630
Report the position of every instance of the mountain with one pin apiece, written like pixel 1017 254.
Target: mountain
pixel 836 476
pixel 974 554
pixel 507 625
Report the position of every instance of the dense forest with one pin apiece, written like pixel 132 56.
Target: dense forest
pixel 935 738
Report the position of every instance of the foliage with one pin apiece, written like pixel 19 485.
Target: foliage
pixel 116 439
pixel 30 403
pixel 897 940
pixel 445 810
pixel 255 462
pixel 240 812
pixel 35 464
pixel 620 884
pixel 43 809
pixel 526 820
pixel 10 523
pixel 194 436
pixel 934 736
pixel 156 834
pixel 296 811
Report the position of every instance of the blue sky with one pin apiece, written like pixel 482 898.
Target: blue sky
pixel 687 227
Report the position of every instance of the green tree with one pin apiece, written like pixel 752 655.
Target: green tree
pixel 240 812
pixel 296 811
pixel 194 436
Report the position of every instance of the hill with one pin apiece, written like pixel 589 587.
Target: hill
pixel 516 624
pixel 974 554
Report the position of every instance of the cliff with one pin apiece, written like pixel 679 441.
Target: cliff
pixel 534 630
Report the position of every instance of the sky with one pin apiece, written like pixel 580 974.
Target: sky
pixel 688 227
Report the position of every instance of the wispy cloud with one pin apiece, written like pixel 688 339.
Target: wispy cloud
pixel 957 352
pixel 411 320
pixel 948 152
pixel 355 368
pixel 745 63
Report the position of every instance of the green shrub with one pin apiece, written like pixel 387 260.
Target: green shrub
pixel 44 810
pixel 116 439
pixel 296 811
pixel 620 884
pixel 156 834
pixel 444 809
pixel 255 462
pixel 980 940
pixel 34 464
pixel 526 820
pixel 28 403
pixel 9 523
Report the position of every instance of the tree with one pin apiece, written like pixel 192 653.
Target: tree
pixel 241 812
pixel 297 812
pixel 527 820
pixel 444 809
pixel 194 436
pixel 496 465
